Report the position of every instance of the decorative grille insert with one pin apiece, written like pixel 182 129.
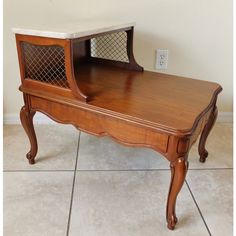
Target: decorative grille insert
pixel 45 64
pixel 110 46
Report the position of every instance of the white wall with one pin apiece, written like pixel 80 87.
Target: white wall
pixel 198 35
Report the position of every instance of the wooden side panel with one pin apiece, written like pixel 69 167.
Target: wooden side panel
pixel 94 123
pixel 81 51
pixel 68 63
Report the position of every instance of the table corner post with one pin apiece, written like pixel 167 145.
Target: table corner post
pixel 206 131
pixel 178 157
pixel 26 117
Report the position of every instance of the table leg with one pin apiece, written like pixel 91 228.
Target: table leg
pixel 26 117
pixel 210 123
pixel 179 169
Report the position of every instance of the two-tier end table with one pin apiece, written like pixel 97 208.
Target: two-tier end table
pixel 86 75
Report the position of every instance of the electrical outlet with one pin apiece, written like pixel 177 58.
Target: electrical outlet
pixel 161 59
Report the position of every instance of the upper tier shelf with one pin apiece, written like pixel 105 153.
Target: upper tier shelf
pixel 50 55
pixel 72 31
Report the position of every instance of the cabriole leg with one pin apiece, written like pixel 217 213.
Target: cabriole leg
pixel 178 172
pixel 26 118
pixel 202 143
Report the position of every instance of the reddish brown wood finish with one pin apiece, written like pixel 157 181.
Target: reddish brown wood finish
pixel 130 53
pixel 135 107
pixel 179 169
pixel 26 117
pixel 202 143
pixel 66 44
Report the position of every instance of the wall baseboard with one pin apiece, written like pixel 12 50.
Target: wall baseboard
pixel 40 118
pixel 226 117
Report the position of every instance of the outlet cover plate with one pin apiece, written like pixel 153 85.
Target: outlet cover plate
pixel 161 59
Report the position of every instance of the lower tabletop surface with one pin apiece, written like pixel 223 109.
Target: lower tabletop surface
pixel 171 101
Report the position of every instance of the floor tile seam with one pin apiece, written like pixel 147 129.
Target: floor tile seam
pixel 73 188
pixel 133 170
pixel 93 170
pixel 217 168
pixel 198 208
pixel 9 171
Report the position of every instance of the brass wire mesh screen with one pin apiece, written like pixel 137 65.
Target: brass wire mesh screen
pixel 45 64
pixel 110 46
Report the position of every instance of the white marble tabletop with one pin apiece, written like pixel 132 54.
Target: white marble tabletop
pixel 72 30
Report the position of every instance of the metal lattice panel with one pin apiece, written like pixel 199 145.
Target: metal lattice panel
pixel 110 46
pixel 45 64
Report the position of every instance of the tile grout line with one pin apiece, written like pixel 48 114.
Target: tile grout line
pixel 198 208
pixel 87 170
pixel 217 168
pixel 73 187
pixel 224 168
pixel 38 170
pixel 122 170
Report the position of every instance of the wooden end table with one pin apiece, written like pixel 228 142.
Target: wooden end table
pixel 86 75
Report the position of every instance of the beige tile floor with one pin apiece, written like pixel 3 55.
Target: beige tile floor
pixel 87 186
